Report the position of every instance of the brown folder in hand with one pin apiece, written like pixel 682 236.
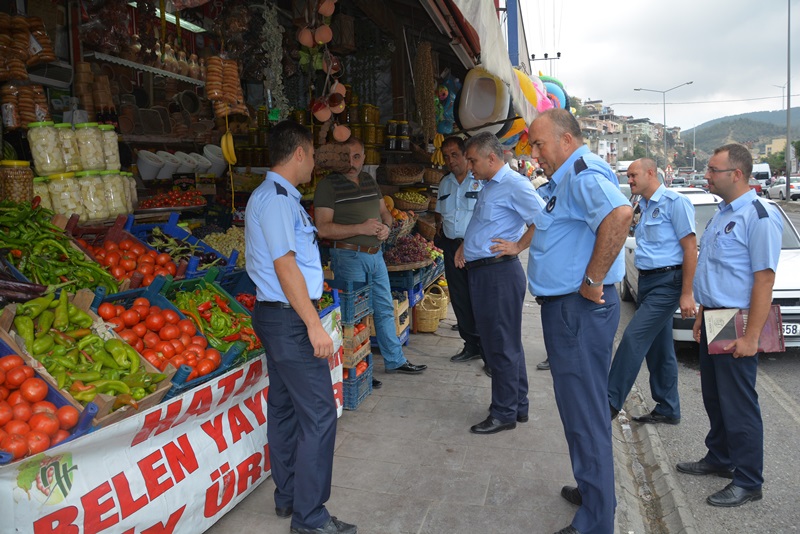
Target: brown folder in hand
pixel 725 325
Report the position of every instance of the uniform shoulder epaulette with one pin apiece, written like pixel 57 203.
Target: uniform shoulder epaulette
pixel 580 166
pixel 760 209
pixel 281 190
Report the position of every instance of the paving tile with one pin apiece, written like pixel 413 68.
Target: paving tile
pixel 378 513
pixel 387 425
pixel 447 485
pixel 528 436
pixel 367 475
pixel 522 463
pixel 528 493
pixel 448 518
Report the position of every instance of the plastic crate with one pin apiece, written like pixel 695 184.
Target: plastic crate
pixel 84 425
pixel 358 388
pixel 229 360
pixel 415 294
pixel 171 228
pixel 354 298
pixel 405 280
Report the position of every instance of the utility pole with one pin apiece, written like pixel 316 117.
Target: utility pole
pixel 788 151
pixel 694 148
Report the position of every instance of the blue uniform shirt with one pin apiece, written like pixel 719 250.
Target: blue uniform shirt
pixel 742 238
pixel 666 218
pixel 581 193
pixel 456 203
pixel 276 223
pixel 506 204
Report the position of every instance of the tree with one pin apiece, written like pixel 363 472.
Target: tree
pixel 776 160
pixel 628 156
pixel 639 152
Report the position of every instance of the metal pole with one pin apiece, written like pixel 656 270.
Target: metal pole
pixel 664 130
pixel 694 148
pixel 788 151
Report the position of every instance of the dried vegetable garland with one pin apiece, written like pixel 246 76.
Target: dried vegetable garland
pixel 425 89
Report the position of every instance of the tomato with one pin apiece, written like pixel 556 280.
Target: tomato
pixel 120 309
pixel 112 259
pixel 117 324
pixel 171 317
pixel 151 339
pixel 185 339
pixel 60 436
pixel 141 301
pixel 200 340
pixel 110 245
pixel 187 327
pixel 145 268
pixel 34 389
pixel 170 331
pixel 177 361
pixel 172 268
pixel 15 397
pixel 194 374
pixel 205 366
pixel 139 345
pixel 148 279
pixel 4 393
pixel 137 249
pixel 155 322
pixel 213 355
pixel 9 362
pixel 166 348
pixel 6 413
pixel 45 422
pixel 67 416
pixel 106 311
pixel 129 336
pixel 22 411
pixel 126 244
pixel 179 347
pixel 3 434
pixel 163 259
pixel 197 349
pixel 129 264
pixel 141 310
pixel 146 259
pixel 16 376
pixel 37 442
pixel 17 427
pixel 130 318
pixel 118 272
pixel 155 361
pixel 155 309
pixel 15 445
pixel 140 329
pixel 43 406
pixel 2 376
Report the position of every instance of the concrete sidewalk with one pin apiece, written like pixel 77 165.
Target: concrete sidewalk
pixel 406 462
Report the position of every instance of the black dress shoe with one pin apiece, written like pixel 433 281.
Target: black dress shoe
pixel 522 418
pixel 465 356
pixel 408 368
pixel 572 494
pixel 733 495
pixel 454 327
pixel 376 384
pixel 704 468
pixel 543 366
pixel 490 425
pixel 568 530
pixel 487 371
pixel 334 526
pixel 284 512
pixel 654 417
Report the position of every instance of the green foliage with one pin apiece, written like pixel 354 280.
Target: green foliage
pixel 638 152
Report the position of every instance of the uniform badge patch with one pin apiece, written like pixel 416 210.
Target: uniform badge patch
pixel 655 213
pixel 550 205
pixel 729 227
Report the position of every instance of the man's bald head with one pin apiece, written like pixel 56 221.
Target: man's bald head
pixel 643 177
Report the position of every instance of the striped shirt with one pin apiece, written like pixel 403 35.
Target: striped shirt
pixel 351 203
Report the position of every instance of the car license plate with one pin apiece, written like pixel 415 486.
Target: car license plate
pixel 791 329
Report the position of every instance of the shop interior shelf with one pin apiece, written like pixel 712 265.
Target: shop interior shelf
pixel 144 68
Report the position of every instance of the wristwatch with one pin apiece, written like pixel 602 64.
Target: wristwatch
pixel 591 283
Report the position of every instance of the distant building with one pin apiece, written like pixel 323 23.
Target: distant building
pixel 777 145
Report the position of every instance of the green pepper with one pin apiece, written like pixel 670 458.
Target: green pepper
pixel 24 326
pixel 91 340
pixel 138 393
pixel 139 379
pixel 88 376
pixel 79 317
pixel 61 321
pixel 78 333
pixel 44 323
pixel 42 345
pixel 104 359
pixel 133 357
pixel 61 378
pixel 106 386
pixel 117 350
pixel 85 397
pixel 60 351
pixel 34 307
pixel 62 339
pixel 125 399
pixel 65 362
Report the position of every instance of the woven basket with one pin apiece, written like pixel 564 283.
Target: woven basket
pixel 405 205
pixel 404 174
pixel 400 230
pixel 440 297
pixel 429 314
pixel 426 229
pixel 432 203
pixel 432 176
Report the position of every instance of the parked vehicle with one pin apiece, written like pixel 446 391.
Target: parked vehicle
pixel 699 183
pixel 778 188
pixel 678 181
pixel 755 184
pixel 762 173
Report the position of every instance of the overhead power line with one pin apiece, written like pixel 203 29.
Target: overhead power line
pixel 696 102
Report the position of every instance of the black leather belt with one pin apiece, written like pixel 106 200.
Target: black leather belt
pixel 279 304
pixel 458 240
pixel 357 248
pixel 545 300
pixel 488 261
pixel 660 270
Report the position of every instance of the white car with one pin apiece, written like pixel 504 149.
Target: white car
pixel 785 293
pixel 777 190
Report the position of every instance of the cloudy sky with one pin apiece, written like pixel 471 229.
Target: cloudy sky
pixel 733 50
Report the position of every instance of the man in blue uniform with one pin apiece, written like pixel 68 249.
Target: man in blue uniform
pixel 574 263
pixel 739 253
pixel 283 261
pixel 458 193
pixel 666 257
pixel 494 237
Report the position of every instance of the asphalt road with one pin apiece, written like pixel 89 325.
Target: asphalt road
pixel 779 392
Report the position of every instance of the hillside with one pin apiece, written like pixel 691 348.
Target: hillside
pixel 755 128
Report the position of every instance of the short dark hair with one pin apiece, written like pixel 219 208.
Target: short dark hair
pixel 285 137
pixel 564 122
pixel 739 157
pixel 455 140
pixel 486 143
pixel 353 140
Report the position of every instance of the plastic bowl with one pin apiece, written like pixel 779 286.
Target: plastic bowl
pixel 149 164
pixel 214 155
pixel 188 163
pixel 171 164
pixel 203 163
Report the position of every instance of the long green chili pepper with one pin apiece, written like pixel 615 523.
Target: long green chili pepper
pixel 44 323
pixel 24 326
pixel 61 321
pixel 79 317
pixel 104 386
pixel 34 307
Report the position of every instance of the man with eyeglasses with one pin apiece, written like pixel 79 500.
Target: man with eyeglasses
pixel 739 254
pixel 666 257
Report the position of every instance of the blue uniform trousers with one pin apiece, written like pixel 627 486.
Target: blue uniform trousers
pixel 497 292
pixel 355 266
pixel 579 338
pixel 301 416
pixel 736 437
pixel 457 283
pixel 649 335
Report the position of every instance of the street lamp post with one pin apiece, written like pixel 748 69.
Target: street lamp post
pixel 664 103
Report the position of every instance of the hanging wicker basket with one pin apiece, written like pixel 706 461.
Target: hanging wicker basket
pixel 428 314
pixel 405 205
pixel 440 297
pixel 404 174
pixel 426 229
pixel 432 176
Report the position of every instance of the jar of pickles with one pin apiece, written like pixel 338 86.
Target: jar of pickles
pixel 391 128
pixel 69 147
pixel 357 131
pixel 391 142
pixel 369 134
pixel 110 147
pixel 45 148
pixel 133 195
pixel 380 135
pixel 17 180
pixel 403 129
pixel 90 145
pixel 40 190
pixel 404 143
pixel 93 195
pixel 364 114
pixel 65 194
pixel 115 189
